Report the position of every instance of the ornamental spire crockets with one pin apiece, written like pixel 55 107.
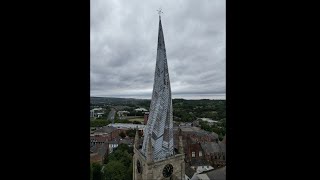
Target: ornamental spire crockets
pixel 160 127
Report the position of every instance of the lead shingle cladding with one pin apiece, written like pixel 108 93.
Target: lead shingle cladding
pixel 160 127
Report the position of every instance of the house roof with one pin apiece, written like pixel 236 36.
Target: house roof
pixel 197 131
pixel 113 142
pixel 224 139
pixel 141 109
pixel 215 135
pixel 211 147
pixel 94 149
pixel 222 146
pixel 199 162
pixel 189 171
pixel 103 149
pixel 95 157
pixel 99 138
pixel 126 141
pixel 208 120
pixel 127 126
pixel 202 177
pixel 106 129
pixel 99 148
pixel 217 174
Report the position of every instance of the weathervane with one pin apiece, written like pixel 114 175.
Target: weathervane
pixel 159 12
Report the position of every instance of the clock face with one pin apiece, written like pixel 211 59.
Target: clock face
pixel 139 167
pixel 167 170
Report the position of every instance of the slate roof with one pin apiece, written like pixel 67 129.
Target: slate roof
pixel 199 162
pixel 99 138
pixel 201 177
pixel 95 158
pixel 103 149
pixel 115 141
pixel 224 139
pixel 99 148
pixel 222 146
pixel 189 171
pixel 106 129
pixel 215 135
pixel 217 174
pixel 211 147
pixel 94 149
pixel 197 131
pixel 126 141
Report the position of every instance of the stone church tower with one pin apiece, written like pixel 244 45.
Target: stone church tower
pixel 157 158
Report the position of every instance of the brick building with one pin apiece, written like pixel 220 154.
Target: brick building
pixel 98 139
pixel 146 116
pixel 107 131
pixel 99 152
pixel 202 145
pixel 192 137
pixel 215 152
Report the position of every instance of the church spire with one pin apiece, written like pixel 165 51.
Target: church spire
pixel 156 159
pixel 160 12
pixel 160 127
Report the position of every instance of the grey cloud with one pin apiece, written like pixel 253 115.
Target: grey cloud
pixel 124 40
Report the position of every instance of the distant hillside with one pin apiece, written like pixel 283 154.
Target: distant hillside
pixel 183 110
pixel 112 100
pixel 118 101
pixel 177 103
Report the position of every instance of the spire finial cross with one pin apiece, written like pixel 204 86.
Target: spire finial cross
pixel 160 12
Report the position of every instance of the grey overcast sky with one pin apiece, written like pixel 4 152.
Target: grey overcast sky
pixel 123 47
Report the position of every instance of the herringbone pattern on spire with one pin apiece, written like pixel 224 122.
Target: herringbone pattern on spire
pixel 159 126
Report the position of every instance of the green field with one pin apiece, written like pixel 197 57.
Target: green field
pixel 136 119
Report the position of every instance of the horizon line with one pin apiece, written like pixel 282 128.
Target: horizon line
pixel 135 97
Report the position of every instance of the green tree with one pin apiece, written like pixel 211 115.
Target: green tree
pixel 123 156
pixel 122 134
pixel 96 171
pixel 99 123
pixel 122 121
pixel 105 159
pixel 115 170
pixel 90 171
pixel 126 158
pixel 122 147
pixel 131 132
pixel 129 174
pixel 221 137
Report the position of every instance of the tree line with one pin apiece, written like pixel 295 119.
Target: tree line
pixel 117 166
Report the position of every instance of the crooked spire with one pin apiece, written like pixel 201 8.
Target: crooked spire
pixel 160 127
